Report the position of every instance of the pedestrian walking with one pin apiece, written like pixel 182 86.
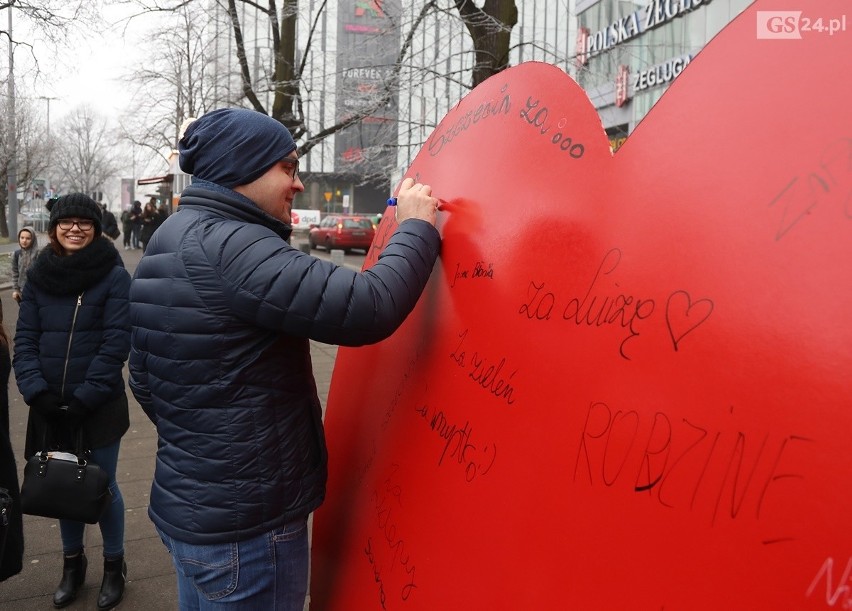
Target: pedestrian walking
pixel 110 225
pixel 72 340
pixel 222 309
pixel 126 228
pixel 136 224
pixel 151 219
pixel 162 211
pixel 22 258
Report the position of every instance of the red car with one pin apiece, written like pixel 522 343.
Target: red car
pixel 343 231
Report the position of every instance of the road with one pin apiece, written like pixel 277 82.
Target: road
pixel 354 259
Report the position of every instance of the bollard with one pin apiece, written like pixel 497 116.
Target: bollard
pixel 337 256
pixel 305 248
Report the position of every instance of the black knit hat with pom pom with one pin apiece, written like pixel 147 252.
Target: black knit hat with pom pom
pixel 74 205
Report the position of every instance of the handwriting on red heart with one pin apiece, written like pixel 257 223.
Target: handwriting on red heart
pixel 626 385
pixel 684 316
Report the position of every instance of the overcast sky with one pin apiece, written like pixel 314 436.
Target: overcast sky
pixel 87 70
pixel 91 71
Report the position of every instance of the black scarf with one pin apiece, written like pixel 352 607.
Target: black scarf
pixel 73 274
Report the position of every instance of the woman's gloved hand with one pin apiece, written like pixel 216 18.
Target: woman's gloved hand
pixel 75 411
pixel 48 405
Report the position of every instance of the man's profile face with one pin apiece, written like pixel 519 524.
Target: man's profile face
pixel 275 190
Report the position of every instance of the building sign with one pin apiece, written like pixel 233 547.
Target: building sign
pixel 372 8
pixel 303 219
pixel 369 44
pixel 621 81
pixel 581 56
pixel 654 15
pixel 660 74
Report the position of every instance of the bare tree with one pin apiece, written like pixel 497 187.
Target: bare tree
pixel 86 154
pixel 279 91
pixel 50 21
pixel 43 24
pixel 30 145
pixel 174 84
pixel 281 82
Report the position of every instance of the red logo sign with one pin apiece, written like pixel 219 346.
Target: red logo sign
pixel 621 79
pixel 581 50
pixel 369 8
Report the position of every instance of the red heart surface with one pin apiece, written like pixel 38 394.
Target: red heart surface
pixel 627 385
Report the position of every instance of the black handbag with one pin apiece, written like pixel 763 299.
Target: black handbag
pixel 65 485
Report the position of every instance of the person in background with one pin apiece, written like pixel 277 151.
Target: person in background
pixel 222 310
pixel 110 225
pixel 163 212
pixel 12 547
pixel 126 228
pixel 72 340
pixel 22 258
pixel 151 219
pixel 136 223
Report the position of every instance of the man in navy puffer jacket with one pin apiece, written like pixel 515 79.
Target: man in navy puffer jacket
pixel 222 310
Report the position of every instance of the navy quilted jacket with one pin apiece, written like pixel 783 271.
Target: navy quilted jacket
pixel 222 309
pixel 75 346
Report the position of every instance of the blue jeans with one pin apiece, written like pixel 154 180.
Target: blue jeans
pixel 267 572
pixel 112 522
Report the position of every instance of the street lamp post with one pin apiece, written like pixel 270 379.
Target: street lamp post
pixel 47 99
pixel 12 173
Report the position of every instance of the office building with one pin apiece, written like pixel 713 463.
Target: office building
pixel 628 53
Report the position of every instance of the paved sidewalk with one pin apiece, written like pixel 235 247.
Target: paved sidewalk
pixel 151 582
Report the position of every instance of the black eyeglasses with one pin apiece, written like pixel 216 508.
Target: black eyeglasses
pixel 84 225
pixel 295 164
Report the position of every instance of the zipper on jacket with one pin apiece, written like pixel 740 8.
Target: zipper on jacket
pixel 70 339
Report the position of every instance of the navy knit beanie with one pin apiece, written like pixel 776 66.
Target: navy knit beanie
pixel 74 205
pixel 233 146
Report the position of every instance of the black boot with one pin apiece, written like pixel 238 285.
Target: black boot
pixel 73 576
pixel 112 587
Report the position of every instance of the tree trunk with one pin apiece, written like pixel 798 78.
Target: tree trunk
pixel 286 85
pixel 490 29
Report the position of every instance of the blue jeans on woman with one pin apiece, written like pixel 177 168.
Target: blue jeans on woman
pixel 112 522
pixel 269 571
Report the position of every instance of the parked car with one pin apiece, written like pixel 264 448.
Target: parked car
pixel 343 231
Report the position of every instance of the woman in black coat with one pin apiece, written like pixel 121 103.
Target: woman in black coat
pixel 12 540
pixel 72 340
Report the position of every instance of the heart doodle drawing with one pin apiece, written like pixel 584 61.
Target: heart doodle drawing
pixel 680 317
pixel 626 385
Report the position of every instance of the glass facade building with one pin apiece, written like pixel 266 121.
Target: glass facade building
pixel 624 53
pixel 628 52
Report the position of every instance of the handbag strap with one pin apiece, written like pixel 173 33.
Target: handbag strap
pixel 78 439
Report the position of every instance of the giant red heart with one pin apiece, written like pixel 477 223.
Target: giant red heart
pixel 627 385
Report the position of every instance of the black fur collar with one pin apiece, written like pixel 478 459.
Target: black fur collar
pixel 73 274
